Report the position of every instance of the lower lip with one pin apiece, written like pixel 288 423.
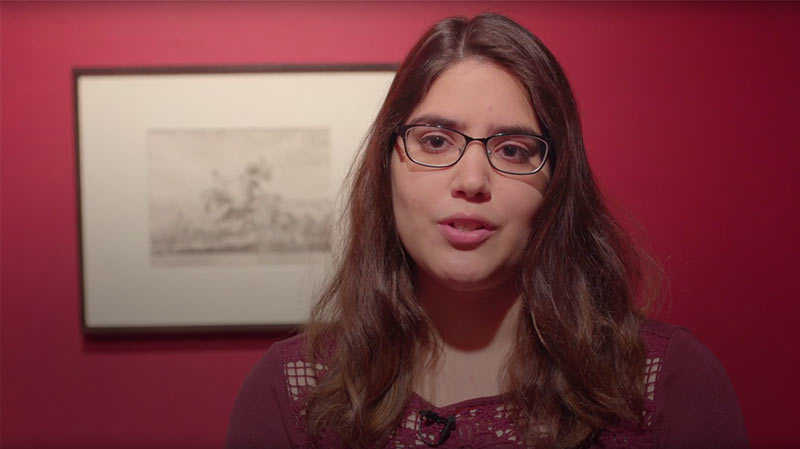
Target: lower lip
pixel 464 239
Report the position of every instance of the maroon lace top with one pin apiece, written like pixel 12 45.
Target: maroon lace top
pixel 690 404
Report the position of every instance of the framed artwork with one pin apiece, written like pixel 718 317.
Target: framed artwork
pixel 208 195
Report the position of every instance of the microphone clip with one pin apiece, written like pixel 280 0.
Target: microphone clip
pixel 428 417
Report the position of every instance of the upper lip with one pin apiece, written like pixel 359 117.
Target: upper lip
pixel 468 219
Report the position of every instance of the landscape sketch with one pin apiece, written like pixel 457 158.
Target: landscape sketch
pixel 239 196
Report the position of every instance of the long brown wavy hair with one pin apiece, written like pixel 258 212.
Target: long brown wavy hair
pixel 578 361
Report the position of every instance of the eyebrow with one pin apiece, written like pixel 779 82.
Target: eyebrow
pixel 494 129
pixel 438 120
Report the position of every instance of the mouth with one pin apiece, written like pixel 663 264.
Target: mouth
pixel 468 223
pixel 466 232
pixel 465 227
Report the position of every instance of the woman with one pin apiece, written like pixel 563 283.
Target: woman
pixel 486 297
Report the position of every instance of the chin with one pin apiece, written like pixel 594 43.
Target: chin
pixel 460 272
pixel 467 281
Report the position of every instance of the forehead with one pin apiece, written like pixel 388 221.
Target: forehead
pixel 479 97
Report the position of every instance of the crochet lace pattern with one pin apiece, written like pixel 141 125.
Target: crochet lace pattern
pixel 480 422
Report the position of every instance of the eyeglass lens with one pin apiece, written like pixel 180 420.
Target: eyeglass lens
pixel 437 147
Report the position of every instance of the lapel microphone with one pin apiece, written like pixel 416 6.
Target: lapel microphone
pixel 428 417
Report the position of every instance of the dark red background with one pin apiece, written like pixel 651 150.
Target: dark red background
pixel 690 113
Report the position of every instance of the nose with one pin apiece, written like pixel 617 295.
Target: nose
pixel 472 174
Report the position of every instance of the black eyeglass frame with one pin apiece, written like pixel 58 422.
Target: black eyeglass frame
pixel 402 131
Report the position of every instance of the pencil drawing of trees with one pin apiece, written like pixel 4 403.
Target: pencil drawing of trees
pixel 223 192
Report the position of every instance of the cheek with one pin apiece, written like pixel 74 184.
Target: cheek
pixel 404 201
pixel 414 205
pixel 401 213
pixel 523 215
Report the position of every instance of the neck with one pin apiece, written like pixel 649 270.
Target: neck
pixel 470 321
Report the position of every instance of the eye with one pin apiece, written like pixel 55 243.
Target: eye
pixel 513 152
pixel 435 142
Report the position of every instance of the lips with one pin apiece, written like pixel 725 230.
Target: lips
pixel 466 231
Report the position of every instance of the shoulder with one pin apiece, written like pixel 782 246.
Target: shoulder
pixel 660 328
pixel 271 369
pixel 682 355
pixel 658 334
pixel 263 413
pixel 282 351
pixel 695 404
pixel 676 346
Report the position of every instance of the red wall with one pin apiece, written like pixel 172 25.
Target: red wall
pixel 688 108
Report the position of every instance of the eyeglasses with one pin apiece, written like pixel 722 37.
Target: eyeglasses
pixel 439 147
